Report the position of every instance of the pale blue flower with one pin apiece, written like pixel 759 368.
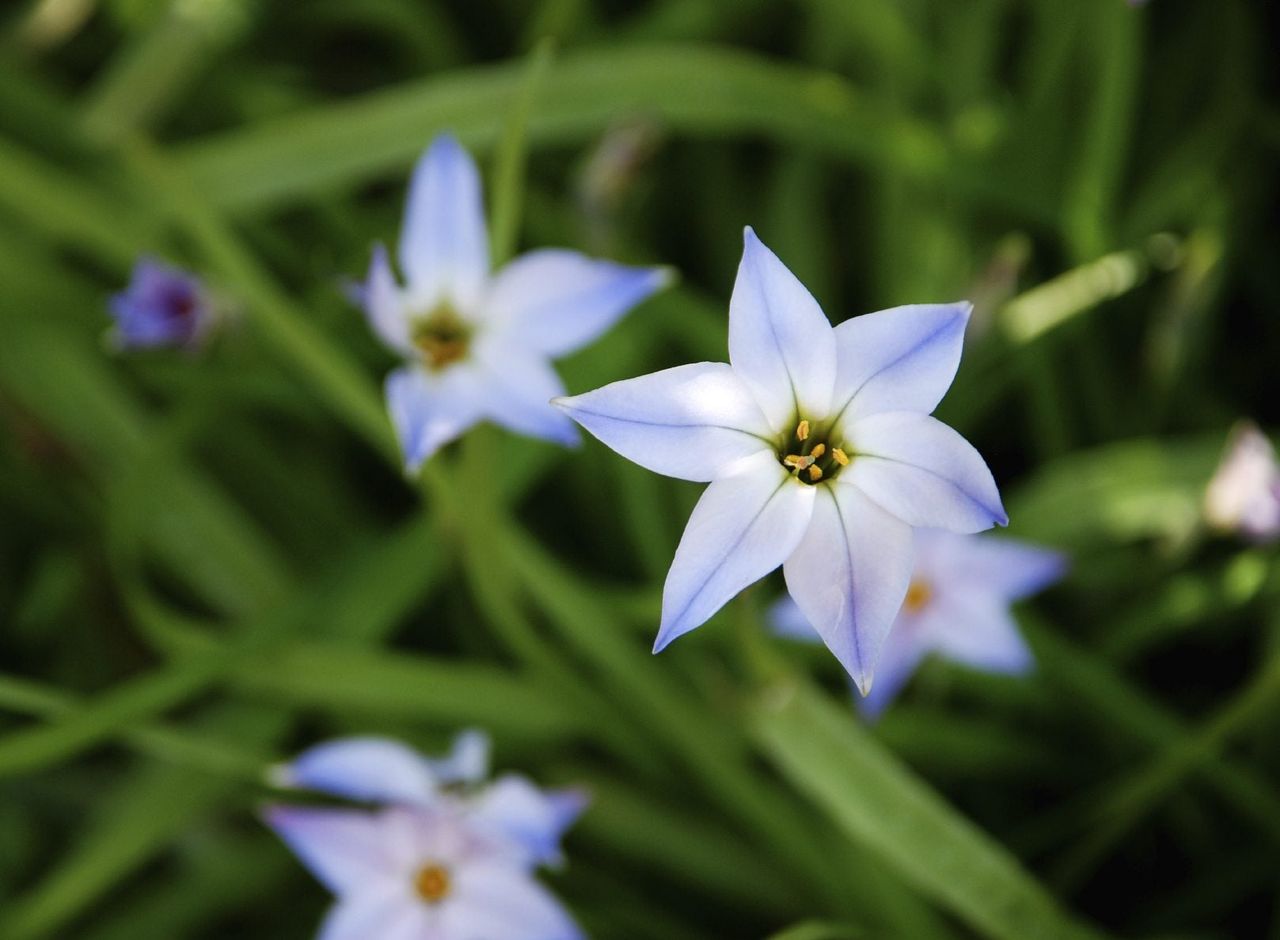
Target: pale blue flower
pixel 162 306
pixel 513 811
pixel 957 606
pixel 820 452
pixel 419 873
pixel 478 345
pixel 1244 494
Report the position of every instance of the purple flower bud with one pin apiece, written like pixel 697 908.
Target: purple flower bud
pixel 162 306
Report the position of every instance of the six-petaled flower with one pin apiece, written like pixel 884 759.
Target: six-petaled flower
pixel 820 452
pixel 478 345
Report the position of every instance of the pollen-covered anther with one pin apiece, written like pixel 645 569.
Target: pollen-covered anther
pixel 802 430
pixel 797 462
pixel 840 456
pixel 818 451
pixel 815 473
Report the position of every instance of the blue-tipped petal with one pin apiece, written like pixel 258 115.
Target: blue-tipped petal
pixel 429 410
pixel 923 472
pixel 494 899
pixel 444 243
pixel 346 850
pixel 531 820
pixel 902 359
pixel 367 769
pixel 692 422
pixel 384 306
pixel 849 575
pixel 517 389
pixel 744 526
pixel 555 301
pixel 780 341
pixel 389 913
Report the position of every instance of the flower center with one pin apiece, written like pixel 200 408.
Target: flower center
pixel 432 882
pixel 918 596
pixel 812 457
pixel 441 336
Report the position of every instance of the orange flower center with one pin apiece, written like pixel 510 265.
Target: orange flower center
pixel 918 596
pixel 442 337
pixel 432 883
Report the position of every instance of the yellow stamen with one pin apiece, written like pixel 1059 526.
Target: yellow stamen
pixel 432 883
pixel 802 430
pixel 815 473
pixel 796 461
pixel 818 451
pixel 840 456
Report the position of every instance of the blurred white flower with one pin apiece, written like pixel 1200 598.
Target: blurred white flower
pixel 478 345
pixel 1244 494
pixel 820 452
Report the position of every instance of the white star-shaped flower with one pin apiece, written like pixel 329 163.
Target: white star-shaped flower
pixel 820 452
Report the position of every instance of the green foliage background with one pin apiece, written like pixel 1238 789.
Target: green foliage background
pixel 212 561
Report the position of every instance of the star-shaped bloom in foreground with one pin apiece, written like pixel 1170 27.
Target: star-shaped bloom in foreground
pixel 1244 494
pixel 957 605
pixel 820 452
pixel 162 306
pixel 446 857
pixel 478 345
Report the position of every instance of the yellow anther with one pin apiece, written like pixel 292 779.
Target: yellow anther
pixel 802 430
pixel 840 456
pixel 796 461
pixel 815 473
pixel 818 451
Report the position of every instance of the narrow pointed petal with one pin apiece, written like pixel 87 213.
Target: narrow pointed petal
pixel 900 656
pixel 743 527
pixel 996 567
pixel 430 410
pixel 389 914
pixel 923 472
pixel 346 850
pixel 556 301
pixel 366 769
pixel 444 243
pixel 849 575
pixel 531 820
pixel 902 359
pixel 494 899
pixel 780 341
pixel 980 632
pixel 384 306
pixel 517 390
pixel 692 422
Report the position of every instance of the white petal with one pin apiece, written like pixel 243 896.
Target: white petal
pixel 367 769
pixel 923 472
pixel 901 359
pixel 555 301
pixel 528 818
pixel 1003 569
pixel 744 526
pixel 444 243
pixel 384 305
pixel 493 900
pixel 430 409
pixel 346 850
pixel 780 341
pixel 391 914
pixel 849 575
pixel 692 422
pixel 517 389
pixel 979 632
